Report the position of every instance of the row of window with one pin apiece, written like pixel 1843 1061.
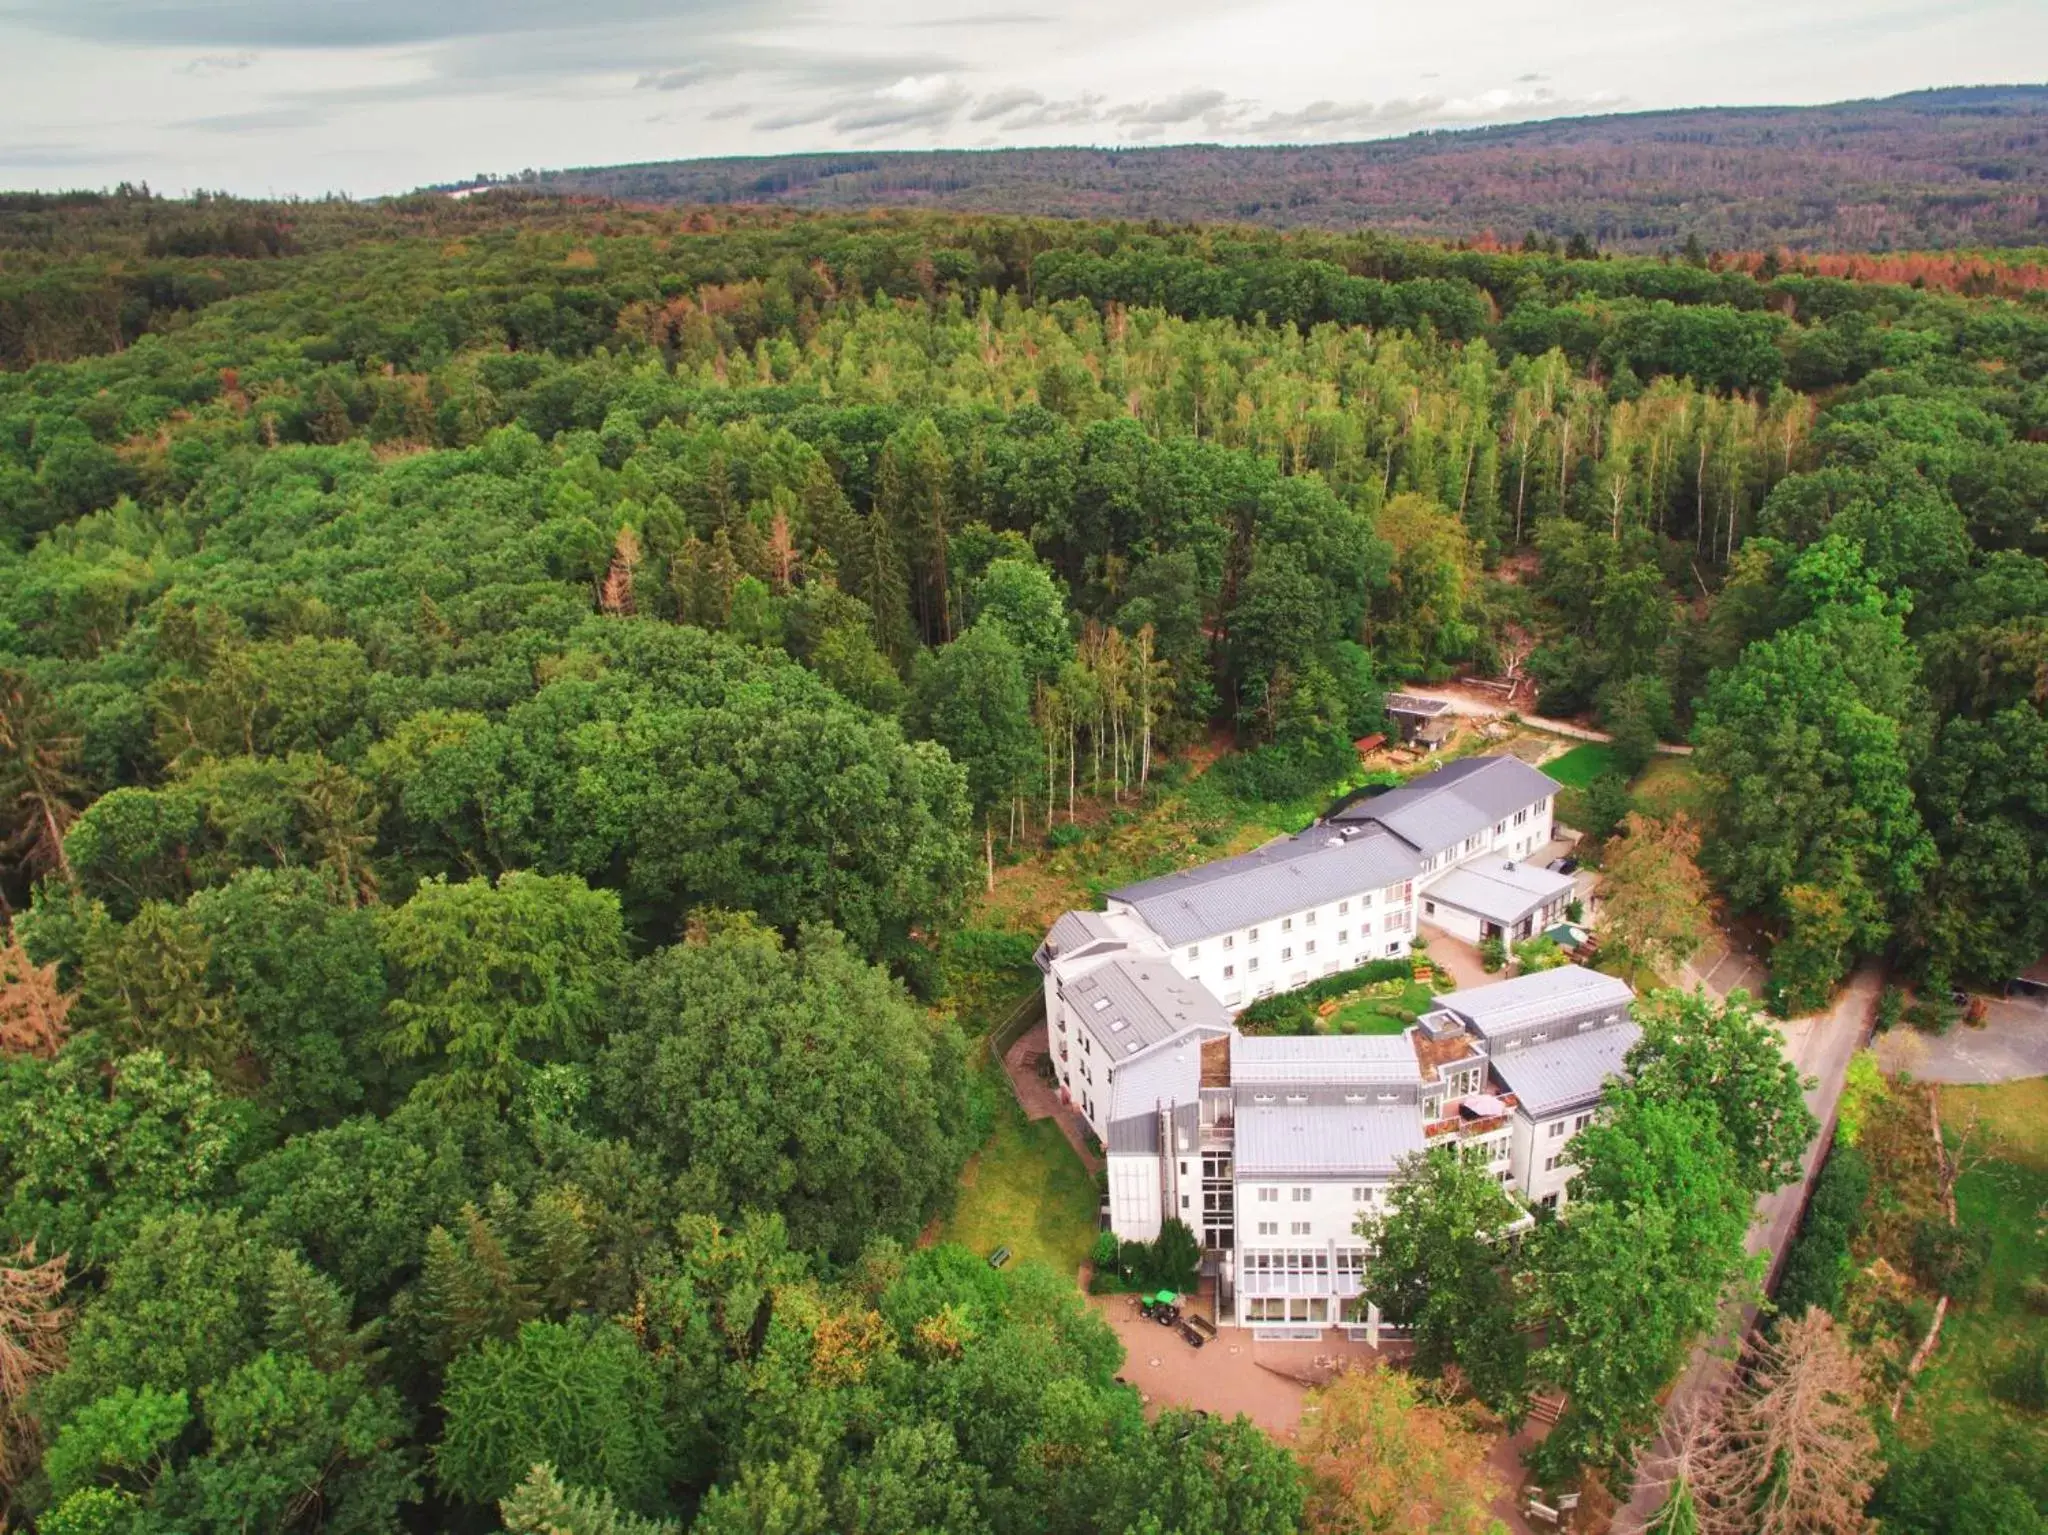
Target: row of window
pixel 1301 1260
pixel 1229 940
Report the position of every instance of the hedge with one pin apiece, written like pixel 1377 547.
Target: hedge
pixel 1817 1267
pixel 1294 1012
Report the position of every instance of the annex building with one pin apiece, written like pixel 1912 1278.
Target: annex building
pixel 1270 1148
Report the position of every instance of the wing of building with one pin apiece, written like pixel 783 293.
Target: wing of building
pixel 1271 1149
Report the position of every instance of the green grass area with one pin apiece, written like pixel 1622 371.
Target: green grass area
pixel 1387 1008
pixel 1670 784
pixel 2008 1195
pixel 1025 1190
pixel 1581 765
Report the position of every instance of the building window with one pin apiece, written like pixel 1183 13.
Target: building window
pixel 1501 830
pixel 1394 947
pixel 1343 935
pixel 1548 1201
pixel 1310 919
pixel 1253 935
pixel 1521 816
pixel 1343 908
pixel 1194 950
pixel 1286 924
pixel 1302 1196
pixel 1230 941
pixel 1286 954
pixel 1269 1228
pixel 1581 1122
pixel 1229 971
pixel 1269 1196
pixel 1232 998
pixel 1395 922
pixel 1429 908
pixel 1301 1228
pixel 1363 1195
pixel 1551 1164
pixel 1254 963
pixel 1557 1129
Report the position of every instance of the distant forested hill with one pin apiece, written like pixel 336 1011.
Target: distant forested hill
pixel 1935 168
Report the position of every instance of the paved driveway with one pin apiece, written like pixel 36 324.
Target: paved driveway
pixel 2013 1043
pixel 1821 1047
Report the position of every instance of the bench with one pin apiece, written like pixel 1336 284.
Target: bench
pixel 999 1257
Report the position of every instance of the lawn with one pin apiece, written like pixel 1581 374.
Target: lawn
pixel 1669 784
pixel 1027 1191
pixel 1385 1007
pixel 1581 765
pixel 2009 1195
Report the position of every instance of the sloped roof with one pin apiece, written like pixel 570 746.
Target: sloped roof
pixel 1310 1059
pixel 1456 801
pixel 1288 874
pixel 1563 992
pixel 1077 933
pixel 1498 890
pixel 1415 704
pixel 1130 1005
pixel 1566 1073
pixel 1324 1139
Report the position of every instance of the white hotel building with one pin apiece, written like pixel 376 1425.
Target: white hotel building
pixel 1271 1148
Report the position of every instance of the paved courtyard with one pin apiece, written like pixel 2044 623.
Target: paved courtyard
pixel 2013 1043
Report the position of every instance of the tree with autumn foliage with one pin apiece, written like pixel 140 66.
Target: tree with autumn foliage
pixel 1384 1460
pixel 1654 900
pixel 33 1006
pixel 33 1320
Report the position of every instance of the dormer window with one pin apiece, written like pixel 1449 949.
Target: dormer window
pixel 1100 1004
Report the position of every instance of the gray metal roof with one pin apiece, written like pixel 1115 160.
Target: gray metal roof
pixel 1165 1074
pixel 1078 933
pixel 1456 801
pixel 1289 874
pixel 1130 1005
pixel 1564 992
pixel 1415 704
pixel 1312 1139
pixel 1497 889
pixel 1568 1073
pixel 1306 1059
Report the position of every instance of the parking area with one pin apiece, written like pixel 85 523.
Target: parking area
pixel 2012 1043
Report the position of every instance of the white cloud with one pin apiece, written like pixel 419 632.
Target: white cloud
pixel 381 95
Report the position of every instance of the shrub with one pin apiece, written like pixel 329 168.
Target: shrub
pixel 1818 1266
pixel 1575 910
pixel 1105 1252
pixel 1932 1014
pixel 1890 1004
pixel 2024 1382
pixel 1538 953
pixel 1949 1258
pixel 1492 954
pixel 2034 1294
pixel 1066 834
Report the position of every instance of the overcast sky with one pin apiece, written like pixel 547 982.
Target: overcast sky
pixel 376 96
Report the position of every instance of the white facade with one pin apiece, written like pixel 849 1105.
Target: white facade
pixel 1284 952
pixel 1201 1124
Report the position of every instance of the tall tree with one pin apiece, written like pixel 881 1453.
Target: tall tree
pixel 1381 1461
pixel 1728 1056
pixel 493 979
pixel 1442 1258
pixel 973 699
pixel 1653 898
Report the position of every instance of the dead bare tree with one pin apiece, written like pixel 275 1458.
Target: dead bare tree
pixel 33 1319
pixel 1805 1453
pixel 33 1007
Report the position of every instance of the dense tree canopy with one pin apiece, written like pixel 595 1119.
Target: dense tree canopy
pixel 496 700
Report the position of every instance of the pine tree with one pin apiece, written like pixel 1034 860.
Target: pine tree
pixel 542 1505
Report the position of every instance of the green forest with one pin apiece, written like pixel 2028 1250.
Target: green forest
pixel 506 707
